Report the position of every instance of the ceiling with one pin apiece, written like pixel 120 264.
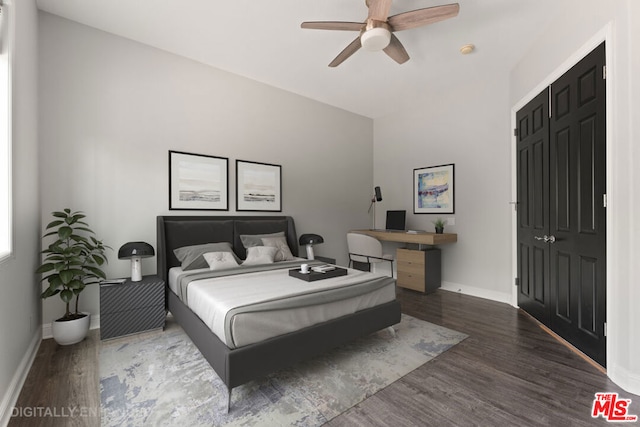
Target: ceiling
pixel 262 40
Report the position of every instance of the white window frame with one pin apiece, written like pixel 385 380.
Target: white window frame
pixel 6 207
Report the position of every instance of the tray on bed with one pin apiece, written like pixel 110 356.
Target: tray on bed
pixel 312 276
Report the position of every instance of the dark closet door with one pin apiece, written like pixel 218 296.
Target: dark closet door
pixel 533 206
pixel 561 206
pixel 577 203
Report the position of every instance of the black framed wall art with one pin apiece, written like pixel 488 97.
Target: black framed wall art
pixel 434 190
pixel 258 187
pixel 198 182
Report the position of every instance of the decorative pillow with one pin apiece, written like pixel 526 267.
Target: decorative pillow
pixel 192 258
pixel 220 260
pixel 250 240
pixel 260 255
pixel 280 243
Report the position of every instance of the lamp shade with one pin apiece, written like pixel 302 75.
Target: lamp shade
pixel 309 240
pixel 135 251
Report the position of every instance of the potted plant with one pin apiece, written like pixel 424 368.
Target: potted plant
pixel 439 224
pixel 71 262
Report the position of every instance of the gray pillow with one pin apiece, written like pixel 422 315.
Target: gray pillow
pixel 260 255
pixel 191 256
pixel 251 240
pixel 284 253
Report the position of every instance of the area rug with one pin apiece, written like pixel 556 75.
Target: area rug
pixel 161 379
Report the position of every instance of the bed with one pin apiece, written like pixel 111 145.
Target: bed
pixel 238 363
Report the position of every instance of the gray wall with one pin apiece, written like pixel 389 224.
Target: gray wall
pixel 112 108
pixel 469 127
pixel 20 306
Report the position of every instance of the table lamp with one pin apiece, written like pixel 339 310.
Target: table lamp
pixel 309 240
pixel 135 251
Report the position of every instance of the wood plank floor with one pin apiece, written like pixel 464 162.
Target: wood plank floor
pixel 508 372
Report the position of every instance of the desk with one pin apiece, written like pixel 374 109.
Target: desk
pixel 422 238
pixel 417 269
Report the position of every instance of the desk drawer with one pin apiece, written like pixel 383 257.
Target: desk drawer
pixel 410 281
pixel 419 270
pixel 412 268
pixel 409 256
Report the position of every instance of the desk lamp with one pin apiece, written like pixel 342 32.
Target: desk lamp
pixel 135 251
pixel 309 240
pixel 377 197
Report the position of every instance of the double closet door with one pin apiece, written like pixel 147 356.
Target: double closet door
pixel 561 210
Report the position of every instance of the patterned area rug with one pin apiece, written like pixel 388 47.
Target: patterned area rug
pixel 161 379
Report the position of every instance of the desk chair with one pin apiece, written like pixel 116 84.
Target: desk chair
pixel 366 249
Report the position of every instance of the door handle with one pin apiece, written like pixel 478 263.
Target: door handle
pixel 547 239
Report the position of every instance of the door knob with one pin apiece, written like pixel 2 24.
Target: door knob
pixel 547 239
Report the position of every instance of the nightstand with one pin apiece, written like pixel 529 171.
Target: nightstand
pixel 131 307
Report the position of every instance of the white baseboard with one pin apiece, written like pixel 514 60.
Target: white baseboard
pixel 629 381
pixel 13 391
pixel 47 333
pixel 477 292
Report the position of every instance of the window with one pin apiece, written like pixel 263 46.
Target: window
pixel 5 134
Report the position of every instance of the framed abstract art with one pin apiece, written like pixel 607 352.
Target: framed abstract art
pixel 433 190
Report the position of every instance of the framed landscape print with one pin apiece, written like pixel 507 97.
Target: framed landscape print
pixel 198 182
pixel 433 190
pixel 258 187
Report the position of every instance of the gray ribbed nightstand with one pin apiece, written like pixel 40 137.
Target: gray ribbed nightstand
pixel 131 307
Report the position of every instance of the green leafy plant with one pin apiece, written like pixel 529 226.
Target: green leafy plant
pixel 438 223
pixel 72 261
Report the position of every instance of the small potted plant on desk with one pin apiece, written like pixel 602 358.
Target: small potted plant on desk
pixel 439 224
pixel 71 263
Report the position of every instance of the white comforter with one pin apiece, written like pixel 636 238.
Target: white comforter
pixel 245 308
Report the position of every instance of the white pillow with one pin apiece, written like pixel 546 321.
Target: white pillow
pixel 280 243
pixel 260 255
pixel 220 260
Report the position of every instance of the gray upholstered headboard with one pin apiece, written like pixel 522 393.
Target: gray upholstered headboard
pixel 177 231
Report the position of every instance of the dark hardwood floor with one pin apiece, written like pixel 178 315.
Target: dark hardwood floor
pixel 509 372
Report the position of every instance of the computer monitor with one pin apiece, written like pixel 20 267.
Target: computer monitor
pixel 396 220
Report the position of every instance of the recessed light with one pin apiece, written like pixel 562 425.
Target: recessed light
pixel 467 49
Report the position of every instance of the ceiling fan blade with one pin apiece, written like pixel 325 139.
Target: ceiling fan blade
pixel 346 53
pixel 419 17
pixel 396 51
pixel 378 9
pixel 333 25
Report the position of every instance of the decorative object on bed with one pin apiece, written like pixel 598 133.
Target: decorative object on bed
pixel 276 240
pixel 257 255
pixel 198 182
pixel 162 379
pixel 71 262
pixel 258 187
pixel 192 257
pixel 135 251
pixel 433 189
pixel 313 275
pixel 253 339
pixel 308 241
pixel 220 260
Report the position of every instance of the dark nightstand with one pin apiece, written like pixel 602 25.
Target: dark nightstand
pixel 131 307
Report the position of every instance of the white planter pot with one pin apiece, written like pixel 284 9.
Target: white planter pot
pixel 71 331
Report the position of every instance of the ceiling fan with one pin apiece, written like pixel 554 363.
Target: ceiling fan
pixel 377 32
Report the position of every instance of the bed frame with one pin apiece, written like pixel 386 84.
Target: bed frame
pixel 244 364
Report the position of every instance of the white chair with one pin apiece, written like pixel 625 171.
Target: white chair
pixel 366 249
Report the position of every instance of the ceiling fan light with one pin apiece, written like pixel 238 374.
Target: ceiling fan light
pixel 375 38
